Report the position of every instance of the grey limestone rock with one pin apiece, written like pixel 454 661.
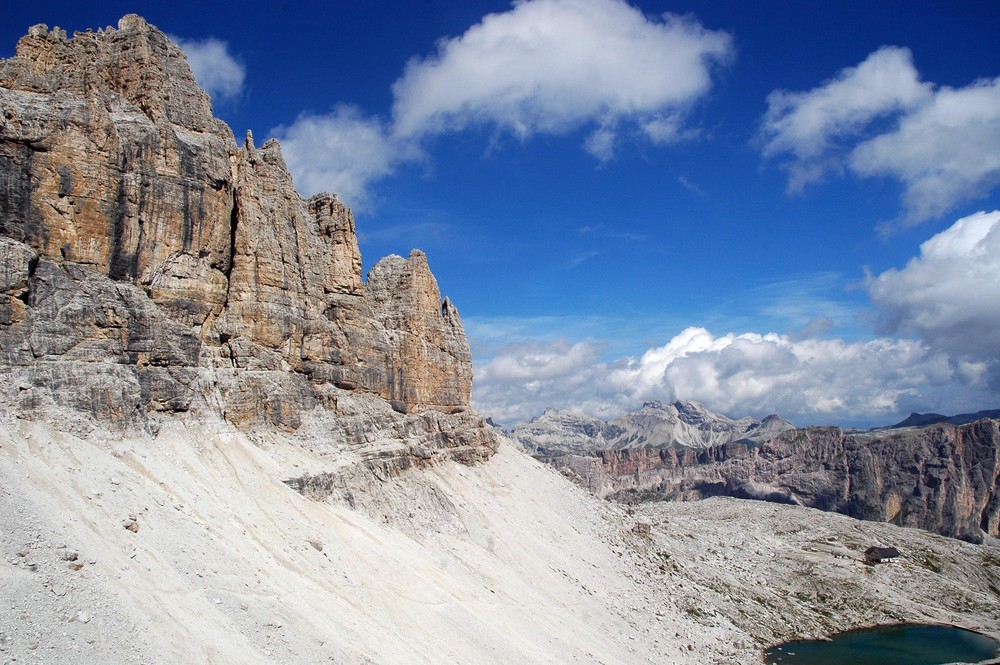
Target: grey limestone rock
pixel 943 478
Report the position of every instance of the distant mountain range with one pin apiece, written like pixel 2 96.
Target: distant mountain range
pixel 655 425
pixel 930 471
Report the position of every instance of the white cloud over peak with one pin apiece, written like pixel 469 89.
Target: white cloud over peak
pixel 809 381
pixel 214 67
pixel 879 119
pixel 544 66
pixel 343 151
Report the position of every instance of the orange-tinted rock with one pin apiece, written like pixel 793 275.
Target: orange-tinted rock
pixel 137 233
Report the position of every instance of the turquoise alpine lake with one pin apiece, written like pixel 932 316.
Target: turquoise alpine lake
pixel 903 644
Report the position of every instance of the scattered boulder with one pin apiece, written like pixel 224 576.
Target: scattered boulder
pixel 67 553
pixel 131 523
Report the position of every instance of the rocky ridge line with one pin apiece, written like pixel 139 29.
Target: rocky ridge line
pixel 685 424
pixel 150 266
pixel 943 478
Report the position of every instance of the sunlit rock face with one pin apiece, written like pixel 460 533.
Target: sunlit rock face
pixel 151 265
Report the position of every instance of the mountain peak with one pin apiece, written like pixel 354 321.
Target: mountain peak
pixel 685 424
pixel 136 62
pixel 157 267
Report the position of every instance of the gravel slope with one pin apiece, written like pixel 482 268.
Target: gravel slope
pixel 502 562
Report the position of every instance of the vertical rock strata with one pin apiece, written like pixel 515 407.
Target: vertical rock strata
pixel 150 264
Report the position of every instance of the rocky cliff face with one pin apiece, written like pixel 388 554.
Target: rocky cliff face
pixel 149 264
pixel 943 478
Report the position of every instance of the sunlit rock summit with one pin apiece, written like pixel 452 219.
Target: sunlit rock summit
pixel 683 424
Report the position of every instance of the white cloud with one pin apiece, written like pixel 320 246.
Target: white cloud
pixel 667 128
pixel 945 151
pixel 808 381
pixel 949 295
pixel 601 143
pixel 939 350
pixel 880 119
pixel 552 65
pixel 214 67
pixel 544 66
pixel 525 377
pixel 806 123
pixel 342 151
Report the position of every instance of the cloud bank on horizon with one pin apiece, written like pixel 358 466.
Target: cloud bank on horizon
pixel 945 299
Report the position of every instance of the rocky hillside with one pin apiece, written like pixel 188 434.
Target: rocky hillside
pixel 150 265
pixel 943 478
pixel 186 546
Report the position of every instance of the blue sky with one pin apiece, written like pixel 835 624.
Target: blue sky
pixel 763 206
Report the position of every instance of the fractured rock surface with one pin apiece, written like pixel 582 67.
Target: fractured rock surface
pixel 944 478
pixel 150 265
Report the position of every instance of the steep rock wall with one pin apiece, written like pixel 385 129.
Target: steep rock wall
pixel 150 264
pixel 943 478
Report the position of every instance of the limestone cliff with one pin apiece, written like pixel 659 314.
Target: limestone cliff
pixel 149 264
pixel 943 478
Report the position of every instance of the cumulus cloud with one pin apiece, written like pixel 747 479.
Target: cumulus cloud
pixel 343 151
pixel 938 350
pixel 214 67
pixel 879 119
pixel 949 295
pixel 806 123
pixel 808 381
pixel 945 151
pixel 525 377
pixel 544 66
pixel 552 65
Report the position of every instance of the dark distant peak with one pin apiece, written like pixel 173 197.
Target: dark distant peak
pixel 924 419
pixel 920 419
pixel 775 421
pixel 653 405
